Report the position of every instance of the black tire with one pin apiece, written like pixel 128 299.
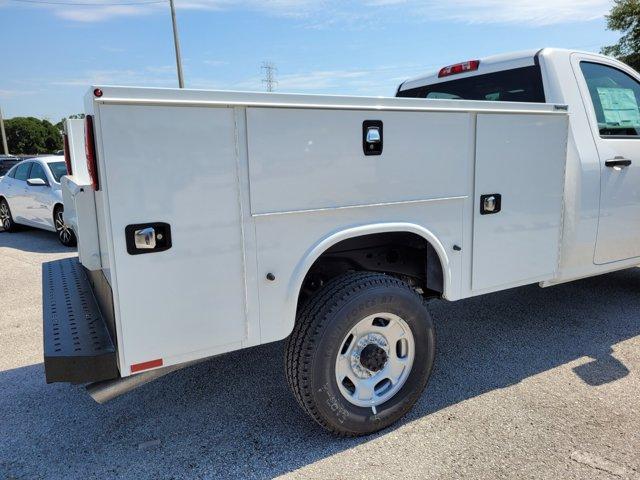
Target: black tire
pixel 6 219
pixel 66 236
pixel 318 336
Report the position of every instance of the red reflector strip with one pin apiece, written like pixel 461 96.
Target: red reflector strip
pixel 137 367
pixel 67 153
pixel 90 150
pixel 470 66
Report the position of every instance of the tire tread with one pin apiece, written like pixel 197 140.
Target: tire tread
pixel 309 327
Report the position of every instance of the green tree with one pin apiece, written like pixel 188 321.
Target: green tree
pixel 625 18
pixel 53 137
pixel 60 124
pixel 29 135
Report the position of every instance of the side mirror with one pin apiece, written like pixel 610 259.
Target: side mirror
pixel 37 182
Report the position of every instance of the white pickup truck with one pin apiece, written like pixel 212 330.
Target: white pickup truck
pixel 213 221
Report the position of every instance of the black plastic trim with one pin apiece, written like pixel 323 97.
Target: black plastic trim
pixel 536 61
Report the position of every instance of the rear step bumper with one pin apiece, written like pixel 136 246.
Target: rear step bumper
pixel 77 345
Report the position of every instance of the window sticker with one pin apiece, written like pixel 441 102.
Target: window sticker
pixel 619 106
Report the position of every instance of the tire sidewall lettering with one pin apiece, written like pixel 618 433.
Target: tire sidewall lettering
pixel 375 300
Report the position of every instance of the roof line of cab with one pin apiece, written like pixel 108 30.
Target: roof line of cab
pixel 489 64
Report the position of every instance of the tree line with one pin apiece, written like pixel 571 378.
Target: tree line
pixel 625 18
pixel 33 136
pixel 29 135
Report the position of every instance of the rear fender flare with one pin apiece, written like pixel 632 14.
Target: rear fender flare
pixel 299 273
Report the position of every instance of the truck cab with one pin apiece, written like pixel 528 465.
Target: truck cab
pixel 601 218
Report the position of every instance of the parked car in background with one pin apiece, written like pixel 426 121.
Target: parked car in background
pixel 30 194
pixel 6 162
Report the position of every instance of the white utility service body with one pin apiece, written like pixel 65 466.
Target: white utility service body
pixel 252 189
pixel 253 184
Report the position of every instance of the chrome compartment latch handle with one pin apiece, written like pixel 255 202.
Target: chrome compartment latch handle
pixel 145 239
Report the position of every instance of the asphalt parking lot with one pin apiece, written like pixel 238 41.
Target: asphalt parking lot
pixel 529 383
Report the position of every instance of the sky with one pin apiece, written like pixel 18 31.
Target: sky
pixel 51 53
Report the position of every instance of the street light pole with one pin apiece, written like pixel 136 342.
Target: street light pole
pixel 3 135
pixel 177 44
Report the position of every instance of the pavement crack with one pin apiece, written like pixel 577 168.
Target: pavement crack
pixel 604 465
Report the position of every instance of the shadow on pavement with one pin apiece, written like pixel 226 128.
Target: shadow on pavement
pixel 34 240
pixel 233 416
pixel 602 370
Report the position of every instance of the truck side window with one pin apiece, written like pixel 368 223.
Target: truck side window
pixel 515 85
pixel 615 97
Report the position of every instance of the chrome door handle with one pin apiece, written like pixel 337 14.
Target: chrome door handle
pixel 372 137
pixel 145 239
pixel 149 237
pixel 490 203
pixel 618 162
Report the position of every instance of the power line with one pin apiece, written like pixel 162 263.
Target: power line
pixel 269 79
pixel 78 4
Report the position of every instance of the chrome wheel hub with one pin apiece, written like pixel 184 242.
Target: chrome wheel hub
pixel 5 218
pixel 375 359
pixel 64 232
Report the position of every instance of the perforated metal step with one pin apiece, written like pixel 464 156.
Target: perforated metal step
pixel 77 344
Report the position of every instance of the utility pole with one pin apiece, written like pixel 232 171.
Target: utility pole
pixel 269 79
pixel 176 43
pixel 3 135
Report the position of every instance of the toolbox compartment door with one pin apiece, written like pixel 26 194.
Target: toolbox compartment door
pixel 520 161
pixel 175 168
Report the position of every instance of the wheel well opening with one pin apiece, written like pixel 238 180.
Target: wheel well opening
pixel 405 255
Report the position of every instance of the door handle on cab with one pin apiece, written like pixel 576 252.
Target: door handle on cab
pixel 618 162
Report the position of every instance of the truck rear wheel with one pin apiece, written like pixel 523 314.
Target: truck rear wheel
pixel 361 353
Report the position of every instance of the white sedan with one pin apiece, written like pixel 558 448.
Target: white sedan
pixel 30 194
